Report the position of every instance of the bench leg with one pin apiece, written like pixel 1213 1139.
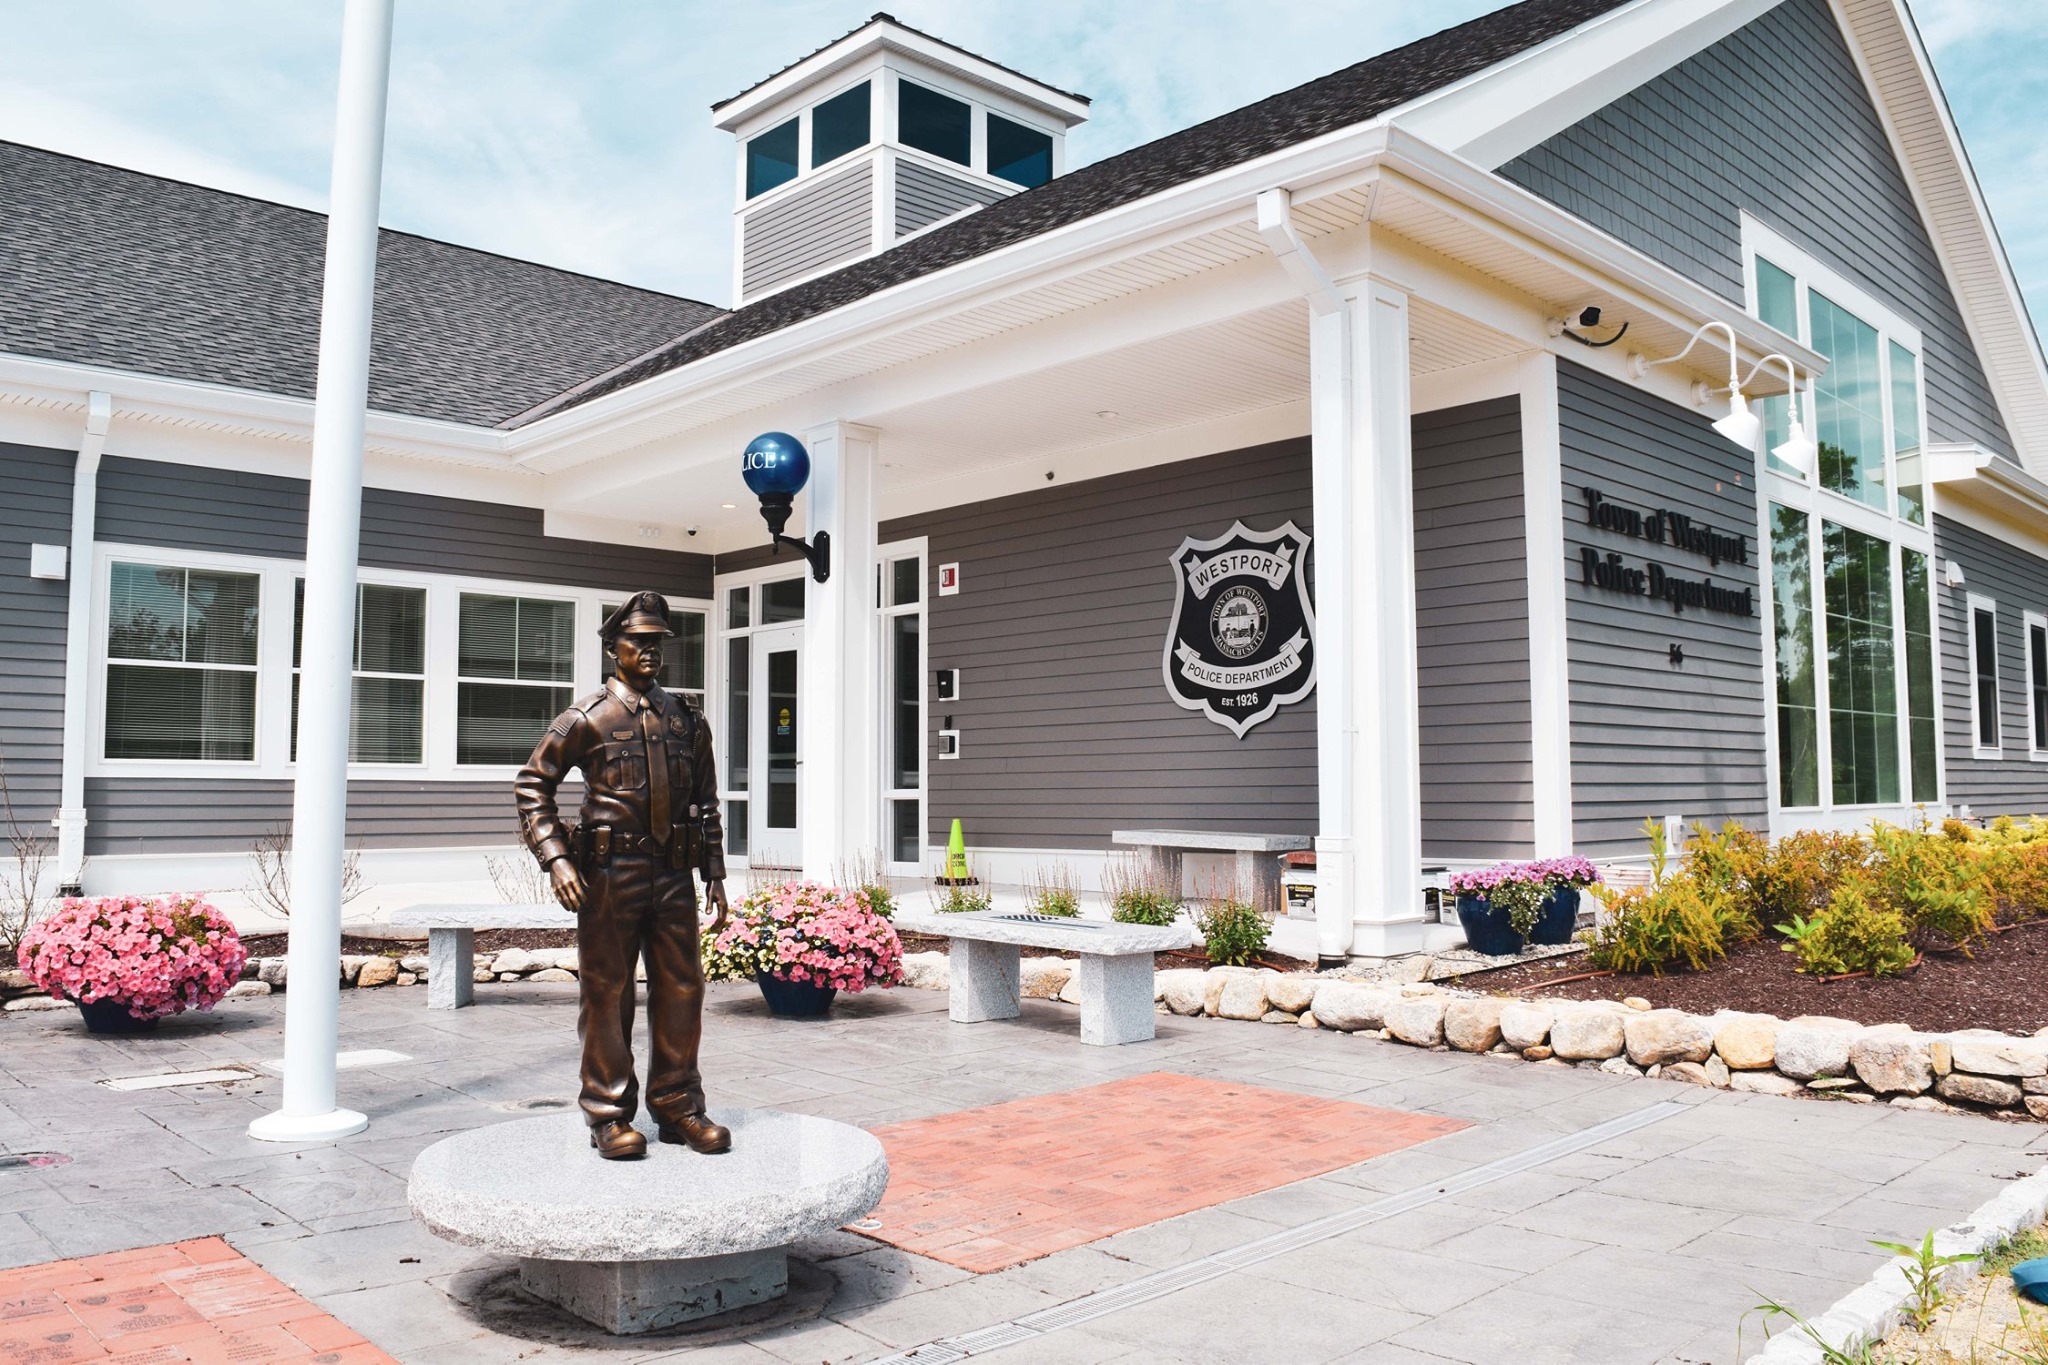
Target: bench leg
pixel 984 980
pixel 1258 876
pixel 451 968
pixel 1116 999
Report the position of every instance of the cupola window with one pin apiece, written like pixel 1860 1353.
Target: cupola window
pixel 1020 155
pixel 934 123
pixel 840 125
pixel 771 159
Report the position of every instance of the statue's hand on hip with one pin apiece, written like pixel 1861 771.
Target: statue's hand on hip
pixel 714 896
pixel 569 885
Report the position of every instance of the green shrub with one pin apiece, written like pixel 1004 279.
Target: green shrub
pixel 1802 872
pixel 1234 933
pixel 1933 883
pixel 962 900
pixel 1054 893
pixel 1652 929
pixel 1144 906
pixel 1854 932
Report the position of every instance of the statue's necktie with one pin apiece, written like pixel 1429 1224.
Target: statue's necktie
pixel 657 775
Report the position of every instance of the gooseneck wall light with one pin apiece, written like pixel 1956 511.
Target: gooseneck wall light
pixel 1742 426
pixel 776 466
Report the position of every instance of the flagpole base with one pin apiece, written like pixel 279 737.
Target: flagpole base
pixel 283 1127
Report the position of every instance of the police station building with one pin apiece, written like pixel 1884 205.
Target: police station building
pixel 1362 465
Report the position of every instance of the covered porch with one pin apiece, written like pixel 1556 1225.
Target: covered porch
pixel 1362 339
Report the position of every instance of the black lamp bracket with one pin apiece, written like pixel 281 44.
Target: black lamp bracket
pixel 817 552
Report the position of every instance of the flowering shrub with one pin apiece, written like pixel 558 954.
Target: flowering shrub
pixel 1521 888
pixel 157 956
pixel 804 932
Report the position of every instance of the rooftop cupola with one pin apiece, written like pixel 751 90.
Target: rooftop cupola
pixel 884 133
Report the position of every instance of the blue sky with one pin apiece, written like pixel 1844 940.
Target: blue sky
pixel 577 132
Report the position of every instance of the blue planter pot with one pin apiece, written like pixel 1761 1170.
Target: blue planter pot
pixel 1489 931
pixel 794 999
pixel 112 1016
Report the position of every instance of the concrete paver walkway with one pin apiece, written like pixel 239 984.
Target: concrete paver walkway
pixel 1650 1246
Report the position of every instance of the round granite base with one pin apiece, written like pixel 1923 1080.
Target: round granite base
pixel 636 1246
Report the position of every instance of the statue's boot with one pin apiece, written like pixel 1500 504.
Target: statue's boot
pixel 617 1141
pixel 698 1133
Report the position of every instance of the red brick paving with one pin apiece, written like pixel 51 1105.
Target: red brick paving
pixel 984 1189
pixel 200 1302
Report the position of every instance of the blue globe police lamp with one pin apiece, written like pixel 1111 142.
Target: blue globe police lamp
pixel 776 466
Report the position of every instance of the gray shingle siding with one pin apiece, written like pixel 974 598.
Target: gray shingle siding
pixel 164 815
pixel 1472 627
pixel 1774 119
pixel 144 502
pixel 1067 731
pixel 2017 581
pixel 924 195
pixel 1649 738
pixel 820 225
pixel 32 629
pixel 104 266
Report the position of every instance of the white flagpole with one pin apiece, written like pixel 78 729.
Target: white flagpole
pixel 333 532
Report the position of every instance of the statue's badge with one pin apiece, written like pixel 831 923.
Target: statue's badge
pixel 1243 639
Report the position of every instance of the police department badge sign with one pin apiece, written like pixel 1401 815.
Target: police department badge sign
pixel 1243 641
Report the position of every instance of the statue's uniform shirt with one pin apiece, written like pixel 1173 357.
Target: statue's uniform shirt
pixel 646 762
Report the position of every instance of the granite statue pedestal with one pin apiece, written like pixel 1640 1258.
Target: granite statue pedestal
pixel 635 1246
pixel 1114 972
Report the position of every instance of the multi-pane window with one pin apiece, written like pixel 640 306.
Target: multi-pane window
pixel 682 656
pixel 181 663
pixel 1863 707
pixel 1851 585
pixel 1020 155
pixel 2037 682
pixel 1984 674
pixel 903 680
pixel 840 124
pixel 1924 756
pixel 1798 708
pixel 514 663
pixel 771 158
pixel 934 123
pixel 387 692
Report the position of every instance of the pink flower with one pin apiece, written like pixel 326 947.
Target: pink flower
pixel 157 956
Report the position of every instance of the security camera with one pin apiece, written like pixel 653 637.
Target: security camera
pixel 689 530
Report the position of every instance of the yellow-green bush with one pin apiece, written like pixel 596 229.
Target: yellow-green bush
pixel 1932 883
pixel 1852 933
pixel 1679 922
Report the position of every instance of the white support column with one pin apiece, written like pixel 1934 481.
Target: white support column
pixel 839 790
pixel 1369 759
pixel 1336 539
pixel 1550 717
pixel 333 535
pixel 85 492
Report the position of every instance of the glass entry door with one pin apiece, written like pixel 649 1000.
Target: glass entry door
pixel 776 838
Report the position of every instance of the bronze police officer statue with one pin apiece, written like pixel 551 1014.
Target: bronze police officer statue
pixel 650 816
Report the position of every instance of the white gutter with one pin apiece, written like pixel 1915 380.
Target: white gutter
pixel 85 485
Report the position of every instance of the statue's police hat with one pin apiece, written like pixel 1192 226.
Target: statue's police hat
pixel 644 613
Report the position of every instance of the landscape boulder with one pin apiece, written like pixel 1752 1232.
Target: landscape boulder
pixel 1892 1063
pixel 1216 978
pixel 1351 1006
pixel 515 962
pixel 1418 1020
pixel 1043 978
pixel 378 971
pixel 1474 1025
pixel 1289 991
pixel 1526 1023
pixel 1814 1045
pixel 1243 997
pixel 1588 1033
pixel 1960 1085
pixel 927 971
pixel 2015 1059
pixel 1657 1037
pixel 1747 1042
pixel 1183 989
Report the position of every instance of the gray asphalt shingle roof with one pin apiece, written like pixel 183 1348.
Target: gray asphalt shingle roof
pixel 105 266
pixel 1353 95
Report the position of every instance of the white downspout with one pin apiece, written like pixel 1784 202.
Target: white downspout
pixel 1284 240
pixel 85 485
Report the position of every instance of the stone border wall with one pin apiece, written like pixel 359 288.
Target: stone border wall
pixel 1973 1071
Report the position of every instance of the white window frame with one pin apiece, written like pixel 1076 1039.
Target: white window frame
pixel 427 635
pixel 274 670
pixel 887 556
pixel 2031 621
pixel 715 678
pixel 1821 506
pixel 1978 749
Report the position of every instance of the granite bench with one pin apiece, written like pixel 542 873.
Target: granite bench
pixel 451 941
pixel 1114 973
pixel 1258 857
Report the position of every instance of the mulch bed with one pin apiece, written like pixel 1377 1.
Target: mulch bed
pixel 2004 986
pixel 358 945
pixel 1179 957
